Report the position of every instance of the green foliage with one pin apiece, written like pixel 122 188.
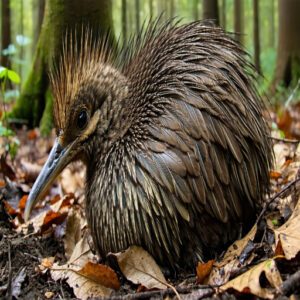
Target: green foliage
pixel 5 132
pixel 10 75
pixel 268 62
pixel 11 144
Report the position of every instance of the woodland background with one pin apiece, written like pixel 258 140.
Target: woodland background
pixel 268 29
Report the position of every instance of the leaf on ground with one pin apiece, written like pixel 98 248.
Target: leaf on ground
pixel 73 232
pixel 289 234
pixel 9 209
pixel 275 174
pixel 203 270
pixel 62 204
pixel 138 266
pixel 231 261
pixel 22 202
pixel 17 283
pixel 75 273
pixel 46 264
pixel 250 281
pixel 101 274
pixel 51 218
pixel 72 178
pixel 30 170
pixel 46 217
pixel 6 169
pixel 32 134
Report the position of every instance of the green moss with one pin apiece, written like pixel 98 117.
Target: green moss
pixel 35 101
pixel 31 102
pixel 295 69
pixel 46 123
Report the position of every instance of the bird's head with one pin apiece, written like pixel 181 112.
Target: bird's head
pixel 89 112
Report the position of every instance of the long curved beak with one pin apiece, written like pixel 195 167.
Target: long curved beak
pixel 58 159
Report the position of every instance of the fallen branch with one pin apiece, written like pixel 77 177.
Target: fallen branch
pixel 202 292
pixel 290 141
pixel 276 196
pixel 291 284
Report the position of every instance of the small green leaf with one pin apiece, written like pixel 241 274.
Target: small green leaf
pixel 13 76
pixel 3 72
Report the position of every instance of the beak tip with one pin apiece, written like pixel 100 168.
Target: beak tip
pixel 26 214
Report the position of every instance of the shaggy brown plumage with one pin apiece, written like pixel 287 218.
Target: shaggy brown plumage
pixel 176 147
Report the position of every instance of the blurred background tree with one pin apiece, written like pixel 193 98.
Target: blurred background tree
pixel 288 50
pixel 35 103
pixel 268 29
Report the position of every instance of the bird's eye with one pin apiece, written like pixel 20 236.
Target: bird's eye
pixel 82 119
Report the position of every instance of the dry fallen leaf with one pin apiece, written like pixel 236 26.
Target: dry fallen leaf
pixel 289 234
pixel 231 260
pixel 73 232
pixel 49 295
pixel 30 170
pixel 275 174
pixel 44 220
pixel 250 281
pixel 203 270
pixel 45 264
pixel 281 151
pixel 100 274
pixel 32 134
pixel 72 178
pixel 22 203
pixel 83 286
pixel 17 282
pixel 6 169
pixel 138 266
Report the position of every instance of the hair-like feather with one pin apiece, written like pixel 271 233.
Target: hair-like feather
pixel 181 153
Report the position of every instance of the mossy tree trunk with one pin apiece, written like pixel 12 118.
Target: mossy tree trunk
pixel 5 32
pixel 35 103
pixel 124 20
pixel 239 20
pixel 211 11
pixel 38 17
pixel 287 71
pixel 256 35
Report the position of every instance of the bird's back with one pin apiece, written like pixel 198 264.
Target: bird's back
pixel 188 173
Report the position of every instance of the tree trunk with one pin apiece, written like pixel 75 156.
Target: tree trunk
pixel 6 34
pixel 239 21
pixel 272 24
pixel 21 32
pixel 38 16
pixel 196 10
pixel 172 8
pixel 131 22
pixel 151 8
pixel 34 103
pixel 256 36
pixel 211 11
pixel 288 52
pixel 224 14
pixel 124 20
pixel 137 15
pixel 161 10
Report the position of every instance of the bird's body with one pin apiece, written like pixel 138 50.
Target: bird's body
pixel 176 148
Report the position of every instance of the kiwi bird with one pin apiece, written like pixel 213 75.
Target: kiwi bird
pixel 171 130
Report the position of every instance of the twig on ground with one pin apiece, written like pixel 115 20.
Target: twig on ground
pixel 277 195
pixel 9 279
pixel 285 140
pixel 167 292
pixel 291 284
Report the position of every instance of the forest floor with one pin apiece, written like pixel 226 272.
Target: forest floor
pixel 52 257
